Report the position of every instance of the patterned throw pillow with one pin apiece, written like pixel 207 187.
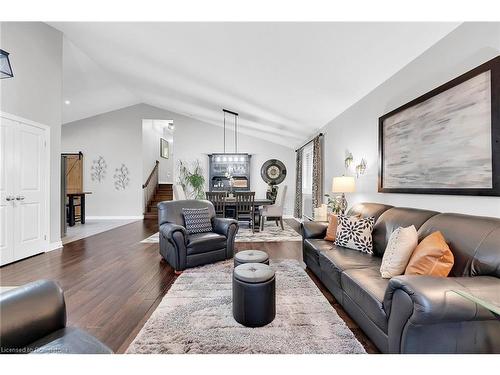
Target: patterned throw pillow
pixel 355 233
pixel 197 220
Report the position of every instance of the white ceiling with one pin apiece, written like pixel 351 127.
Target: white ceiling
pixel 286 80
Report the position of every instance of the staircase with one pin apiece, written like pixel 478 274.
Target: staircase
pixel 163 193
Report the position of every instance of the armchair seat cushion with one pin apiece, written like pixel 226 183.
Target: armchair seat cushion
pixel 367 288
pixel 204 242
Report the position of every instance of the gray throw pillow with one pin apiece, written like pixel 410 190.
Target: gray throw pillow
pixel 197 220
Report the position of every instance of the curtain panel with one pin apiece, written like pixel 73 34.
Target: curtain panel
pixel 317 180
pixel 298 185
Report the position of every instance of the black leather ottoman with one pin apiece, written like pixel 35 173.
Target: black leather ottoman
pixel 254 294
pixel 250 256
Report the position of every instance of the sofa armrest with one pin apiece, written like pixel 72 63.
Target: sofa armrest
pixel 31 312
pixel 223 226
pixel 434 301
pixel 314 229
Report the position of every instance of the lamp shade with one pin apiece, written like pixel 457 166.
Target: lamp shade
pixel 5 68
pixel 343 184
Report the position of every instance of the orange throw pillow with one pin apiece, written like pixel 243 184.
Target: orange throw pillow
pixel 432 257
pixel 331 231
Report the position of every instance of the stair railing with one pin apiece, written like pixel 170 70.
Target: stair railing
pixel 150 186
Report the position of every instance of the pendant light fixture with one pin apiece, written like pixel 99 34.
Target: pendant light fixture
pixel 226 111
pixel 5 67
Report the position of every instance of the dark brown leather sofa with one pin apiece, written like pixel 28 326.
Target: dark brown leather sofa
pixel 415 314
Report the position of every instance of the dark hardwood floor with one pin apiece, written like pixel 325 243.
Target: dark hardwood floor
pixel 113 283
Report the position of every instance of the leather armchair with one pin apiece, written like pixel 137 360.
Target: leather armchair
pixel 34 321
pixel 424 310
pixel 182 250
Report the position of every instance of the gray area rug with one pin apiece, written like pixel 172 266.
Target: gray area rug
pixel 195 316
pixel 271 233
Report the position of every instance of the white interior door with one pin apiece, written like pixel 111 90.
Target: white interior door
pixel 30 196
pixel 23 188
pixel 7 129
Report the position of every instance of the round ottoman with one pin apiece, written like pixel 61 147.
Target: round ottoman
pixel 254 294
pixel 250 256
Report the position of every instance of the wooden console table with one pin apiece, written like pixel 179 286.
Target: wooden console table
pixel 71 207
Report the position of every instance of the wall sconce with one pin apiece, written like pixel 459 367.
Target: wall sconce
pixel 348 159
pixel 361 168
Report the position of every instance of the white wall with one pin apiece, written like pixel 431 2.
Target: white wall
pixel 152 131
pixel 118 137
pixel 35 92
pixel 194 139
pixel 356 129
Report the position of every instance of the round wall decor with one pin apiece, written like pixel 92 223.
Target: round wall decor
pixel 273 172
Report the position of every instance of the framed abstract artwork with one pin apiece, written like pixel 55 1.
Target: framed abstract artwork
pixel 446 141
pixel 164 148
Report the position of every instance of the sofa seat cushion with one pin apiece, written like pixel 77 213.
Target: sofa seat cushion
pixel 313 247
pixel 367 288
pixel 337 259
pixel 344 259
pixel 203 242
pixel 69 340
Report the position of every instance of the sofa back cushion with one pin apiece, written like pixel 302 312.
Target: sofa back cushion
pixel 368 210
pixel 171 211
pixel 474 241
pixel 394 218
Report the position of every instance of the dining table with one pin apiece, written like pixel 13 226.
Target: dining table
pixel 231 205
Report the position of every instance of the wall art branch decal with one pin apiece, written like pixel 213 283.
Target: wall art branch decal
pixel 98 169
pixel 121 177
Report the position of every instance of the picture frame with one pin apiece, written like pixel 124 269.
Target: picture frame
pixel 446 141
pixel 164 148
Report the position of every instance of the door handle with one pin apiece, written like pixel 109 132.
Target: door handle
pixel 20 198
pixel 9 198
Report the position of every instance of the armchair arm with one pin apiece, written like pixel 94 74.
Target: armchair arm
pixel 223 226
pixel 174 232
pixel 434 299
pixel 173 243
pixel 31 312
pixel 314 229
pixel 228 228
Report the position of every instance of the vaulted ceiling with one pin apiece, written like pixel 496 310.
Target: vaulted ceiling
pixel 286 80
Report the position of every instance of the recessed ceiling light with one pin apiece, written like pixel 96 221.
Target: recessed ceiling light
pixel 67 102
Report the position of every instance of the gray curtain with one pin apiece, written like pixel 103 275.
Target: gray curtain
pixel 317 180
pixel 298 185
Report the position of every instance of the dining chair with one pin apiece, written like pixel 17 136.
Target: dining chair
pixel 274 210
pixel 245 202
pixel 218 199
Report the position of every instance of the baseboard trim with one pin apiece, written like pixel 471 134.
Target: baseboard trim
pixel 140 217
pixel 54 246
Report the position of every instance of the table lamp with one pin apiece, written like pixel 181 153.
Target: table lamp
pixel 343 184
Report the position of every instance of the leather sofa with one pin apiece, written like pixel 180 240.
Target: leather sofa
pixel 33 320
pixel 415 314
pixel 182 250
